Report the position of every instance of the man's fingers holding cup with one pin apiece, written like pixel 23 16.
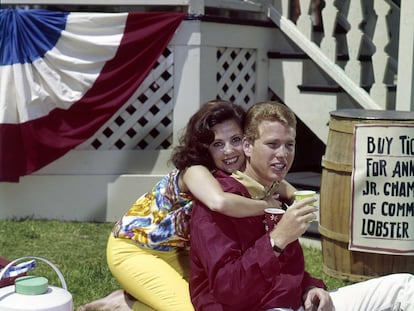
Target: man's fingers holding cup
pixel 305 197
pixel 312 217
pixel 307 213
pixel 305 202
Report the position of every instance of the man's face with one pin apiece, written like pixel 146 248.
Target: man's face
pixel 227 149
pixel 271 155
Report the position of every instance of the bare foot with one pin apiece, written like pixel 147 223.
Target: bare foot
pixel 115 301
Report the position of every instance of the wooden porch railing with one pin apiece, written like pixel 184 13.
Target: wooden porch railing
pixel 356 43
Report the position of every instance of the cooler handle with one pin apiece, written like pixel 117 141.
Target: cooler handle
pixel 60 275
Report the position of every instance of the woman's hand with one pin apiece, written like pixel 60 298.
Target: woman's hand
pixel 273 201
pixel 317 299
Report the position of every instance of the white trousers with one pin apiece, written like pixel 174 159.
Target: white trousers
pixel 394 292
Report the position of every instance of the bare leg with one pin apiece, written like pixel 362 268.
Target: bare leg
pixel 115 301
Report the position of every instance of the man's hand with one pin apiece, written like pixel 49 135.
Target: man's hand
pixel 317 299
pixel 294 222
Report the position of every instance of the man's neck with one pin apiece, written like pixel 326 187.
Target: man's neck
pixel 249 171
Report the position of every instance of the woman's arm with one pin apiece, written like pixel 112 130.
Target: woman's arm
pixel 201 183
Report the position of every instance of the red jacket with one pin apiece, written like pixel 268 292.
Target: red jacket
pixel 233 266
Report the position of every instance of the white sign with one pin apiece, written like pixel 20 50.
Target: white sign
pixel 382 189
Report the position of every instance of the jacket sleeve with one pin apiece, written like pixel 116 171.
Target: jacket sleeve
pixel 309 281
pixel 230 271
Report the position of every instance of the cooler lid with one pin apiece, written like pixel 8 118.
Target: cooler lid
pixel 31 285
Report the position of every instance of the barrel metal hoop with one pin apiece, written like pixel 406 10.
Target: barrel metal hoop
pixel 344 275
pixel 333 235
pixel 336 166
pixel 341 126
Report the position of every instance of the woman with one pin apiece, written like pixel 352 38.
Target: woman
pixel 147 251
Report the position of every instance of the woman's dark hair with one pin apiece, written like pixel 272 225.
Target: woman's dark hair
pixel 198 135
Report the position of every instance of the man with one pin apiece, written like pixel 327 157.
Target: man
pixel 236 265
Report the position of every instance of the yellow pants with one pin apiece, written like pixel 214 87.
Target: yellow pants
pixel 157 279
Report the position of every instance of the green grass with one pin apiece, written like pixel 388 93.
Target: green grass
pixel 78 250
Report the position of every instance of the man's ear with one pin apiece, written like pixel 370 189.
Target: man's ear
pixel 247 147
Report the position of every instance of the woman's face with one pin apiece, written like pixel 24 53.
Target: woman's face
pixel 227 148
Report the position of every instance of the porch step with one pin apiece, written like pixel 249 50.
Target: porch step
pixel 311 107
pixel 320 88
pixel 323 82
pixel 298 54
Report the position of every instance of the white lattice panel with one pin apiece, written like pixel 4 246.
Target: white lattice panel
pixel 236 76
pixel 145 121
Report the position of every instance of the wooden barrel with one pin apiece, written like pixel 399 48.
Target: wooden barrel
pixel 335 200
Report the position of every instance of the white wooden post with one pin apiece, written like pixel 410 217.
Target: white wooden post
pixel 186 75
pixel 354 37
pixel 196 7
pixel 379 60
pixel 304 22
pixel 328 44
